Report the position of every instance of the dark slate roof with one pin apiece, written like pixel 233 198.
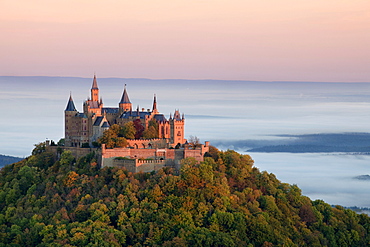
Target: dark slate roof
pixel 95 83
pixel 105 125
pixel 82 115
pixel 98 121
pixel 160 118
pixel 128 114
pixel 110 110
pixel 125 98
pixel 70 105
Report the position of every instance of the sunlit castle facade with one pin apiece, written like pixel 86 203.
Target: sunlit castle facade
pixel 85 128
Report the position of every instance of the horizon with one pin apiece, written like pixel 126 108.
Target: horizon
pixel 185 79
pixel 238 40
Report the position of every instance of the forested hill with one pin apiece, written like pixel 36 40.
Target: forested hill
pixel 224 201
pixel 6 160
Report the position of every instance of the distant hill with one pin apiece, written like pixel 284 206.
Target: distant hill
pixel 310 143
pixel 6 160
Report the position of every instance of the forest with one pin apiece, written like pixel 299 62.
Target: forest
pixel 224 201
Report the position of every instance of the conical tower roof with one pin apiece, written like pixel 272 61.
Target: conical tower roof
pixel 155 104
pixel 125 99
pixel 95 83
pixel 70 105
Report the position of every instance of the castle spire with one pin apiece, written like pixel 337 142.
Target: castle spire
pixel 155 104
pixel 95 90
pixel 70 105
pixel 95 83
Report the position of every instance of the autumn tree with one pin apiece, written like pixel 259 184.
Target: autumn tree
pixel 128 130
pixel 111 137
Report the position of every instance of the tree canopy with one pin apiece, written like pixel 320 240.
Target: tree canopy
pixel 223 201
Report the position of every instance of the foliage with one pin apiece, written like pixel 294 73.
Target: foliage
pixel 111 137
pixel 152 131
pixel 223 201
pixel 128 130
pixel 61 142
pixel 39 148
pixel 139 128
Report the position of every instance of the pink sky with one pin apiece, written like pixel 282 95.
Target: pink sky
pixel 296 40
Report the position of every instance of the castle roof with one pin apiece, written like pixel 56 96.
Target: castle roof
pixel 82 115
pixel 98 121
pixel 140 114
pixel 125 98
pixel 160 118
pixel 95 83
pixel 70 105
pixel 110 110
pixel 105 125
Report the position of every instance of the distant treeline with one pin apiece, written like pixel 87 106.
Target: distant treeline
pixel 312 143
pixel 6 160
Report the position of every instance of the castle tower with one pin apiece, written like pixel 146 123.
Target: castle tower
pixel 125 104
pixel 69 121
pixel 94 105
pixel 177 131
pixel 95 90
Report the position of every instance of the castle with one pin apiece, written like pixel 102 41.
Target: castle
pixel 83 130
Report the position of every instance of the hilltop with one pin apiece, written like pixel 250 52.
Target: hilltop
pixel 223 201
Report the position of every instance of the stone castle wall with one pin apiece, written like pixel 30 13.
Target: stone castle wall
pixel 135 160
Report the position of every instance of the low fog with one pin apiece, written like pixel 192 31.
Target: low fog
pixel 226 111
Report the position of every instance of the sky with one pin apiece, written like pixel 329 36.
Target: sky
pixel 267 40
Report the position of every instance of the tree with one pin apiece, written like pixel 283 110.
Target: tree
pixel 194 142
pixel 61 142
pixel 139 129
pixel 39 148
pixel 111 137
pixel 150 133
pixel 128 130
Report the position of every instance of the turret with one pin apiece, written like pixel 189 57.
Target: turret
pixel 125 104
pixel 154 110
pixel 95 90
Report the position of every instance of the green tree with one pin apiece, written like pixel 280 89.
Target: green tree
pixel 111 137
pixel 128 130
pixel 39 148
pixel 150 133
